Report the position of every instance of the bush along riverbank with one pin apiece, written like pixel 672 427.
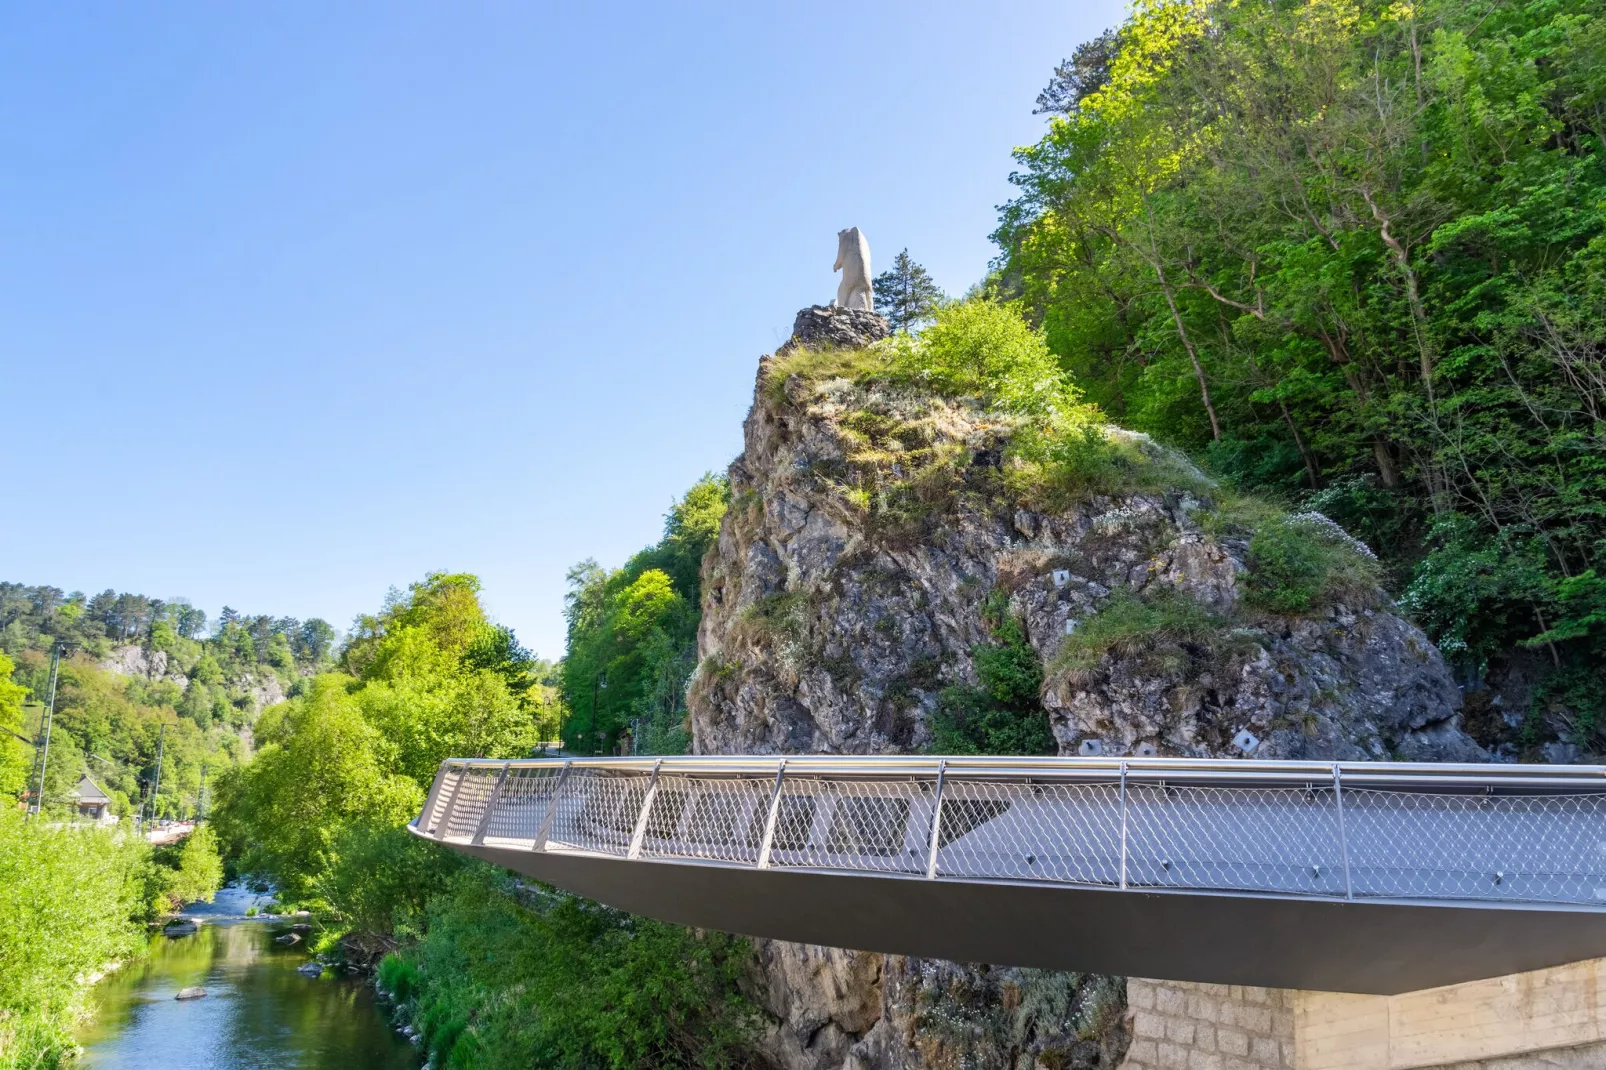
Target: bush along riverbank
pixel 484 970
pixel 519 975
pixel 76 903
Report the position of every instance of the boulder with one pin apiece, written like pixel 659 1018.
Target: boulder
pixel 181 927
pixel 310 969
pixel 191 993
pixel 828 326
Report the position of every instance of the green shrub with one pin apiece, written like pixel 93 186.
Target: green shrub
pixel 562 981
pixel 984 349
pixel 189 871
pixel 1077 455
pixel 1129 625
pixel 398 976
pixel 69 900
pixel 1306 562
pixel 1003 713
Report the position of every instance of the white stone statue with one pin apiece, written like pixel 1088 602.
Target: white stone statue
pixel 853 260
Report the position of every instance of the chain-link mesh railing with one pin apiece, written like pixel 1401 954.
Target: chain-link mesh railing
pixel 1031 831
pixel 715 818
pixel 1491 833
pixel 1541 848
pixel 874 825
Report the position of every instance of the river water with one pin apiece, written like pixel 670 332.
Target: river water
pixel 258 1011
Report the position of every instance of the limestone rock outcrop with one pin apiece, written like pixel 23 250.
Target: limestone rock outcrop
pixel 847 591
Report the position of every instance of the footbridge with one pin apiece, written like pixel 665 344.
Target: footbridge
pixel 1348 877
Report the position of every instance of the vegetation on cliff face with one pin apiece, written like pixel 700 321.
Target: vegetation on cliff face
pixel 1003 712
pixel 1351 253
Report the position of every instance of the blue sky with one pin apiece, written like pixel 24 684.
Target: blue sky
pixel 301 302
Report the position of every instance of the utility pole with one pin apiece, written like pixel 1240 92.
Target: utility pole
pixel 161 747
pixel 44 731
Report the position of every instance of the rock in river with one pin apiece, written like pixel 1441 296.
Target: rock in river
pixel 191 993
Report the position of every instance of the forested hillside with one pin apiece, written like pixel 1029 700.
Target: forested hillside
pixel 132 665
pixel 1351 254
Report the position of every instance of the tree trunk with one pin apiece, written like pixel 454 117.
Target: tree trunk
pixel 1385 464
pixel 1193 354
pixel 1310 462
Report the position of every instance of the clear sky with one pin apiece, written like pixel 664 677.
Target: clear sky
pixel 301 301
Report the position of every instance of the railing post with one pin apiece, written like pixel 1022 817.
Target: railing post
pixel 1123 826
pixel 1343 839
pixel 445 823
pixel 433 799
pixel 769 819
pixel 936 821
pixel 490 805
pixel 646 808
pixel 539 843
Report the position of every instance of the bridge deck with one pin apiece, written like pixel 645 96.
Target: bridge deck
pixel 1368 877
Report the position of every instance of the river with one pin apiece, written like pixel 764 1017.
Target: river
pixel 258 1011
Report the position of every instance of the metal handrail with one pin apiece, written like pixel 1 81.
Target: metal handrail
pixel 1344 830
pixel 1585 777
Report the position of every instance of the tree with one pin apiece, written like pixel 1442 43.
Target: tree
pixel 321 772
pixel 905 294
pixel 1080 76
pixel 14 755
pixel 635 629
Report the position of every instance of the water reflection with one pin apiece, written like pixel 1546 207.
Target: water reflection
pixel 258 1011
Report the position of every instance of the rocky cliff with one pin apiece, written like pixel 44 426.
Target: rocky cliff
pixel 882 538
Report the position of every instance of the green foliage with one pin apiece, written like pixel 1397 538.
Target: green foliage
pixel 205 695
pixel 189 871
pixel 344 764
pixel 983 349
pixel 1306 562
pixel 14 754
pixel 1353 250
pixel 381 877
pixel 318 773
pixel 905 293
pixel 633 634
pixel 68 898
pixel 1003 714
pixel 1060 450
pixel 1129 626
pixel 554 980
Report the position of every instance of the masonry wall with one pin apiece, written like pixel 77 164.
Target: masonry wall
pixel 1547 1018
pixel 1181 1026
pixel 1551 1019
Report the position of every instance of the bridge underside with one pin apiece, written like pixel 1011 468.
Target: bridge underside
pixel 1377 947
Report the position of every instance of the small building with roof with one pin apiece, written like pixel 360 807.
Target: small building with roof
pixel 91 801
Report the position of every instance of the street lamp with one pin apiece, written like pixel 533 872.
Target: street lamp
pixel 598 680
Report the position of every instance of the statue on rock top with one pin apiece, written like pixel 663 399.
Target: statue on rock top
pixel 853 260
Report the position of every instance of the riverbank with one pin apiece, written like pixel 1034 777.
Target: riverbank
pixel 259 1009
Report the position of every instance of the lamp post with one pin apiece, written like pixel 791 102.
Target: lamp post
pixel 598 680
